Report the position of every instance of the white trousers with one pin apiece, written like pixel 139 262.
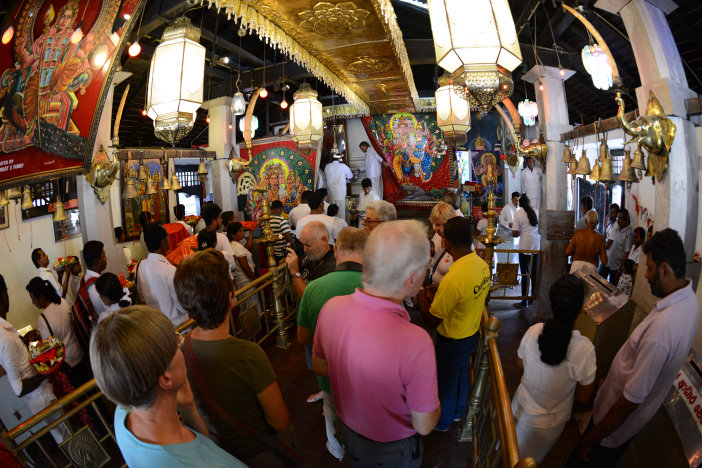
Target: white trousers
pixel 335 447
pixel 40 398
pixel 378 185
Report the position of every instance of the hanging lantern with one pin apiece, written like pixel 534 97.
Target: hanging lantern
pixel 452 112
pixel 59 211
pixel 15 193
pixel 477 43
pixel 254 124
pixel 528 110
pixel 597 65
pixel 176 81
pixel 27 203
pixel 238 103
pixel 175 184
pixel 306 123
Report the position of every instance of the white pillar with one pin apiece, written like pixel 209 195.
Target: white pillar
pixel 661 71
pixel 221 141
pixel 96 218
pixel 553 121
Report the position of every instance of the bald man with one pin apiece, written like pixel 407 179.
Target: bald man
pixel 319 256
pixel 587 246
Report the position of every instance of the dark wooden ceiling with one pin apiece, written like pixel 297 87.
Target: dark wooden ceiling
pixel 541 23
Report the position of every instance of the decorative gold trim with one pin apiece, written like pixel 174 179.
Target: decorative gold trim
pixel 255 17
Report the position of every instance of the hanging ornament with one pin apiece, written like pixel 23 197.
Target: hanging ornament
pixel 529 111
pixel 597 65
pixel 254 124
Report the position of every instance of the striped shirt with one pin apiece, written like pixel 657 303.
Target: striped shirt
pixel 279 226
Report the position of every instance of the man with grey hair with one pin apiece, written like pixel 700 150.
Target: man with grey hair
pixel 381 367
pixel 377 212
pixel 587 245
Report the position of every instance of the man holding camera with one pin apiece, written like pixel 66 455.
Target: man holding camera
pixel 318 256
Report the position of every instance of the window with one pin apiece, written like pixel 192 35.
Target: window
pixel 44 196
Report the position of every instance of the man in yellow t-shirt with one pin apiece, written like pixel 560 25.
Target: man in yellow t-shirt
pixel 455 312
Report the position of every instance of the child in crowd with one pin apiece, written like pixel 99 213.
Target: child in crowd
pixel 112 294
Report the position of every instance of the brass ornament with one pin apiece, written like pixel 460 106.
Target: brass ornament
pixel 606 171
pixel 583 165
pixel 595 174
pixel 27 203
pixel 336 19
pixel 366 65
pixel 514 162
pixel 654 131
pixel 15 193
pixel 101 174
pixel 628 173
pixel 537 150
pixel 234 164
pixel 568 157
pixel 638 162
pixel 59 211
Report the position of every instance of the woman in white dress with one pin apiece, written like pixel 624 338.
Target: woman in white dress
pixel 559 365
pixel 525 226
pixel 56 319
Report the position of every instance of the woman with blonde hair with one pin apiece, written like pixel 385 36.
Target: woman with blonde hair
pixel 151 390
pixel 441 260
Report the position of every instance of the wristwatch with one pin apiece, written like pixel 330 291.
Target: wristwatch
pixel 297 275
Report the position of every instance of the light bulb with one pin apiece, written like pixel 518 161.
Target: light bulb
pixel 230 126
pixel 143 112
pixel 284 104
pixel 134 49
pixel 562 72
pixel 541 87
pixel 225 60
pixel 127 16
pixel 207 119
pixel 264 93
pixel 77 36
pixel 8 34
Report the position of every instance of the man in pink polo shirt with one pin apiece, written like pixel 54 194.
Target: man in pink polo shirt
pixel 382 368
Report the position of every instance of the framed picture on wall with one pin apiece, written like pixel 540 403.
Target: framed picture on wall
pixel 68 228
pixel 4 218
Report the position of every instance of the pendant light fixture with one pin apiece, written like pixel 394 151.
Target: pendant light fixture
pixel 8 34
pixel 306 122
pixel 452 112
pixel 597 65
pixel 135 48
pixel 176 78
pixel 238 101
pixel 264 92
pixel 77 35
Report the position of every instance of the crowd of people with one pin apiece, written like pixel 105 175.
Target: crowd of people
pixel 208 397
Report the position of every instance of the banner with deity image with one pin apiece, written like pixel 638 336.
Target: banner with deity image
pixel 280 168
pixel 409 144
pixel 156 204
pixel 54 82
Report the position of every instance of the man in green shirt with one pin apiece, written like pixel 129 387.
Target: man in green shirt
pixel 343 281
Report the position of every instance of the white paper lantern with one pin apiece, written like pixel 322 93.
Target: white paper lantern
pixel 452 112
pixel 306 123
pixel 176 81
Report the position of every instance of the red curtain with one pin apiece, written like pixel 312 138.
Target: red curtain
pixel 392 189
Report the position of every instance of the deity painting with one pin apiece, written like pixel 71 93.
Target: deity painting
pixel 281 172
pixel 52 80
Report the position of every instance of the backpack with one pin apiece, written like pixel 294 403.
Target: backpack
pixel 83 314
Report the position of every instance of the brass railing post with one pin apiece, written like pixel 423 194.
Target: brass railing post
pixel 283 340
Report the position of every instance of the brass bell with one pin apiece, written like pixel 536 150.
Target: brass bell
pixel 151 183
pixel 202 169
pixel 175 184
pixel 27 199
pixel 595 174
pixel 15 193
pixel 130 190
pixel 603 151
pixel 628 173
pixel 649 171
pixel 639 162
pixel 606 171
pixel 568 156
pixel 4 201
pixel 59 212
pixel 143 172
pixel 165 185
pixel 571 168
pixel 583 165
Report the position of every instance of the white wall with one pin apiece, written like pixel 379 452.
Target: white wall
pixel 17 267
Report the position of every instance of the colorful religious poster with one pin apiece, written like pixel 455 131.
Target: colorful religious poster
pixel 481 159
pixel 281 169
pixel 409 143
pixel 156 203
pixel 54 76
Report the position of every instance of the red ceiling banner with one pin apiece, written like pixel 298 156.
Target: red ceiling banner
pixel 53 83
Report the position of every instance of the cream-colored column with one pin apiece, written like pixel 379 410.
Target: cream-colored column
pixel 553 121
pixel 96 218
pixel 221 140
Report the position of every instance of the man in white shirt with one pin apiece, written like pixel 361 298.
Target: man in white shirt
pixel 506 220
pixel 317 214
pixel 301 210
pixel 96 262
pixel 619 243
pixel 179 212
pixel 611 224
pixel 24 379
pixel 646 365
pixel 155 276
pixel 41 262
pixel 325 194
pixel 373 167
pixel 337 174
pixel 367 196
pixel 212 214
pixel 531 183
pixel 339 223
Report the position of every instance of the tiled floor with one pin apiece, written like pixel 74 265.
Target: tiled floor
pixel 441 449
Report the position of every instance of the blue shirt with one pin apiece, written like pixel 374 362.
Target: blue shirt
pixel 199 452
